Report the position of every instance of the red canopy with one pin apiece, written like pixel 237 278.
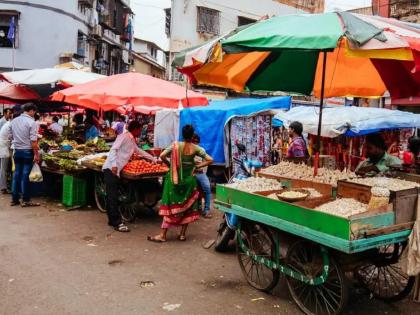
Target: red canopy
pixel 129 89
pixel 16 92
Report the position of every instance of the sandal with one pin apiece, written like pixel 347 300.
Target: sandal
pixel 122 228
pixel 14 203
pixel 182 238
pixel 207 215
pixel 156 239
pixel 30 204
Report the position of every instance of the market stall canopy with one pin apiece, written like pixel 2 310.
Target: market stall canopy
pixel 140 109
pixel 16 92
pixel 349 121
pixel 68 77
pixel 212 131
pixel 367 55
pixel 130 89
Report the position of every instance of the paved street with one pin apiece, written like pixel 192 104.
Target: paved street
pixel 58 262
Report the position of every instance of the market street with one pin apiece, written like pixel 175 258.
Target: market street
pixel 70 262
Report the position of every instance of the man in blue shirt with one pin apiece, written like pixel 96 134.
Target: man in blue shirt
pixel 24 131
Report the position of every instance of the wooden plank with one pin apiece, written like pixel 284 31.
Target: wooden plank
pixel 389 229
pixel 316 220
pixel 352 190
pixel 405 208
pixel 361 225
pixel 325 239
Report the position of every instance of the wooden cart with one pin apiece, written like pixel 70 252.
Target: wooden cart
pixel 317 250
pixel 137 192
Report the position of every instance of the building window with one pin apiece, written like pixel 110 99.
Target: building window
pixel 208 21
pixel 168 21
pixel 81 45
pixel 152 51
pixel 5 20
pixel 244 21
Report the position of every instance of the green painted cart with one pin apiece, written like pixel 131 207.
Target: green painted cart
pixel 316 251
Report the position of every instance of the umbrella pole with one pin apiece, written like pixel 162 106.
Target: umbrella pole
pixel 321 106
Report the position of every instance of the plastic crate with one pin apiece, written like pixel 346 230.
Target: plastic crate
pixel 74 191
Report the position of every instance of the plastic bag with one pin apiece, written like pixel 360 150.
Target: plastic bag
pixel 35 175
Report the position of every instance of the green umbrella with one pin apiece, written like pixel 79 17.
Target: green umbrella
pixel 296 41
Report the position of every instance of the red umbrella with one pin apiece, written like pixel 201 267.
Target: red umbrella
pixel 129 89
pixel 15 92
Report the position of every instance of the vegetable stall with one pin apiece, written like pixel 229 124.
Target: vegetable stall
pixel 141 181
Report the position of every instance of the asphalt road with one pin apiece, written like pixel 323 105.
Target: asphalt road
pixel 54 261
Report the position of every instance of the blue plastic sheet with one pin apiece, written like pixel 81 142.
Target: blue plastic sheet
pixel 210 121
pixel 350 121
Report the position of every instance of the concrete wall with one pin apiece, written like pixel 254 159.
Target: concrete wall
pixel 141 66
pixel 140 46
pixel 43 33
pixel 184 17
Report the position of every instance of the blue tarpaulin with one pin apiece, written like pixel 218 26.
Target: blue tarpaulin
pixel 210 121
pixel 350 121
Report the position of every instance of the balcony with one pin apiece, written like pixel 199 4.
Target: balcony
pixel 106 21
pixel 404 9
pixel 86 3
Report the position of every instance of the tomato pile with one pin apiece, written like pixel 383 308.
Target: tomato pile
pixel 138 167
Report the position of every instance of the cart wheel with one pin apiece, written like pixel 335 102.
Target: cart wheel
pixel 151 200
pixel 328 298
pixel 128 208
pixel 258 239
pixel 152 193
pixel 100 192
pixel 383 276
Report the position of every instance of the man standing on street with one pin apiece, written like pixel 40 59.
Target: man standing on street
pixel 7 115
pixel 123 149
pixel 25 144
pixel 5 137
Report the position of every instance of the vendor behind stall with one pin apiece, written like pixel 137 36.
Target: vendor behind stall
pixel 378 160
pixel 123 149
pixel 91 130
pixel 297 146
pixel 55 126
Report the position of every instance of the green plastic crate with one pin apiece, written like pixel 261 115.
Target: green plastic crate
pixel 74 191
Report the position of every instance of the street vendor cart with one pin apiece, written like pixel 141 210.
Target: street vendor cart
pixel 317 250
pixel 137 191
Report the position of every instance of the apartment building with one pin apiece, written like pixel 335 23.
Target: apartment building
pixel 95 33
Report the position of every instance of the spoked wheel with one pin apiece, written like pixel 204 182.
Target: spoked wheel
pixel 383 276
pixel 258 239
pixel 328 298
pixel 128 207
pixel 100 192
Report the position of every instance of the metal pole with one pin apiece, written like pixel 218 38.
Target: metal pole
pixel 13 55
pixel 321 106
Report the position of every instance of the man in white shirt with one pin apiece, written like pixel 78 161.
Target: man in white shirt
pixel 56 127
pixel 63 122
pixel 7 115
pixel 124 147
